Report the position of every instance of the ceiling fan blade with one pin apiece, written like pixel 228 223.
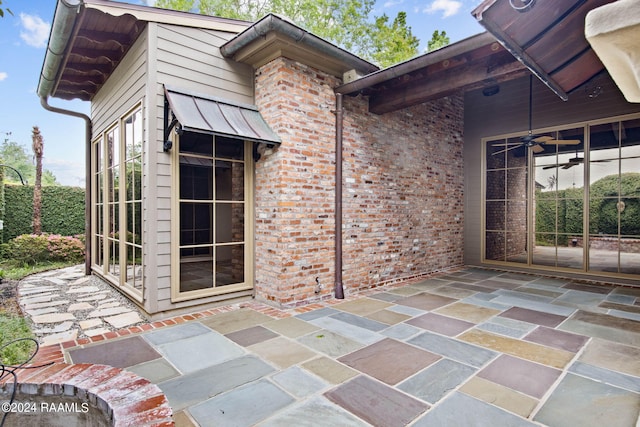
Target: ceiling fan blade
pixel 537 149
pixel 562 141
pixel 543 139
pixel 599 161
pixel 570 165
pixel 550 167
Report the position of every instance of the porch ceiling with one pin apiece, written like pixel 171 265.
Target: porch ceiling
pixel 547 36
pixel 479 61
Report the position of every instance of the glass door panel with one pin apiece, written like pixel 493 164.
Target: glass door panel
pixel 212 209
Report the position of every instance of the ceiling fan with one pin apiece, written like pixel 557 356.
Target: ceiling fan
pixel 573 162
pixel 535 142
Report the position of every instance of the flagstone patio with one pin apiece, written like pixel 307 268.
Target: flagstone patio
pixel 472 347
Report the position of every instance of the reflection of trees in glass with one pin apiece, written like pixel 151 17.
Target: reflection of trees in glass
pixel 613 196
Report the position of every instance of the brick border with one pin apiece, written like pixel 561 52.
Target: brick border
pixel 125 398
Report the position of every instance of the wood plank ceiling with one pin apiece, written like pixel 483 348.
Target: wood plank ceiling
pixel 99 44
pixel 547 36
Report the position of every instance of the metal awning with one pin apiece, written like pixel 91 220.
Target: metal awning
pixel 216 116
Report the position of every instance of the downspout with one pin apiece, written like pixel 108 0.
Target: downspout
pixel 338 288
pixel 87 191
pixel 65 18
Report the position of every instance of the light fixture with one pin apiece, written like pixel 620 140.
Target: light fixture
pixel 491 90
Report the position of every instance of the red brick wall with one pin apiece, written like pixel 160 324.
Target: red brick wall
pixel 294 187
pixel 403 194
pixel 403 189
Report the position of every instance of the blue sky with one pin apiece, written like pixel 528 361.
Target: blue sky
pixel 23 41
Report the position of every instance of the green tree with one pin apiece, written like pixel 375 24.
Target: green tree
pixel 393 43
pixel 438 39
pixel 346 23
pixel 3 10
pixel 38 150
pixel 16 156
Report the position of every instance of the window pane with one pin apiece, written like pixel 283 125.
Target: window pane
pixel 229 148
pixel 495 245
pixel 229 180
pixel 196 178
pixel 196 143
pixel 229 222
pixel 496 185
pixel 229 265
pixel 195 223
pixel 196 275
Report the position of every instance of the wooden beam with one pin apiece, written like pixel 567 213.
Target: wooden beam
pixel 444 84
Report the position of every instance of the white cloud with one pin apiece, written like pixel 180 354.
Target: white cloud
pixel 391 3
pixel 3 75
pixel 447 7
pixel 35 31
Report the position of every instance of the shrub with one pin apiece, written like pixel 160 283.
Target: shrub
pixel 32 248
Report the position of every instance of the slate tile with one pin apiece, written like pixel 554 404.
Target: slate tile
pixel 329 343
pixel 607 376
pixel 437 380
pixel 312 413
pixel 463 410
pixel 175 333
pixel 389 360
pixel 359 321
pixel 526 350
pixel 425 301
pixel 241 407
pixel 592 403
pixel 250 336
pixel 198 386
pixel 533 316
pixel 521 375
pixel 117 353
pixel 499 395
pixel 441 324
pixel 298 382
pixel 203 351
pixel 614 356
pixel 557 339
pixel 376 403
pixel 453 349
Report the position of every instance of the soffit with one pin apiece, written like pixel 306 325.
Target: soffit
pixel 547 37
pixel 102 35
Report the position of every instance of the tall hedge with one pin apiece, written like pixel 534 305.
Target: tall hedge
pixel 62 210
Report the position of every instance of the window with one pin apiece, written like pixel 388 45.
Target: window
pixel 117 203
pixel 212 205
pixel 572 206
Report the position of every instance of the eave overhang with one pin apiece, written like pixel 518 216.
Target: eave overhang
pixel 273 36
pixel 89 38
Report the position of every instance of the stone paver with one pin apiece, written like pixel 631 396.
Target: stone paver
pixel 66 305
pixel 472 347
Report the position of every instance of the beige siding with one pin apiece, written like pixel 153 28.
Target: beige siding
pixel 124 88
pixel 507 112
pixel 188 58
